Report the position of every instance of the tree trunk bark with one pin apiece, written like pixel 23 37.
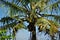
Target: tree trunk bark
pixel 52 38
pixel 32 29
pixel 59 35
pixel 34 34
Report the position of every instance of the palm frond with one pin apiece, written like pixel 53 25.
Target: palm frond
pixel 55 5
pixel 44 23
pixel 14 6
pixel 53 28
pixel 17 27
pixel 8 25
pixel 47 15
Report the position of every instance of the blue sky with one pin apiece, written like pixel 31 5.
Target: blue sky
pixel 3 12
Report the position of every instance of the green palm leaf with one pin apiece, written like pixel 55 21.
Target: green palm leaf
pixel 44 23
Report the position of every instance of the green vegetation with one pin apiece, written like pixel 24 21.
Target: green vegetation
pixel 28 10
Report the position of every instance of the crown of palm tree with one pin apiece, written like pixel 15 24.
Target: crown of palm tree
pixel 28 10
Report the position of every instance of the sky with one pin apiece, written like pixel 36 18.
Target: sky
pixel 3 12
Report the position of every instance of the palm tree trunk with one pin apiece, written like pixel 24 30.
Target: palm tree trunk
pixel 32 29
pixel 52 38
pixel 34 34
pixel 59 35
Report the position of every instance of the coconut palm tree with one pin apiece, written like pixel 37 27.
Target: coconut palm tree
pixel 30 11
